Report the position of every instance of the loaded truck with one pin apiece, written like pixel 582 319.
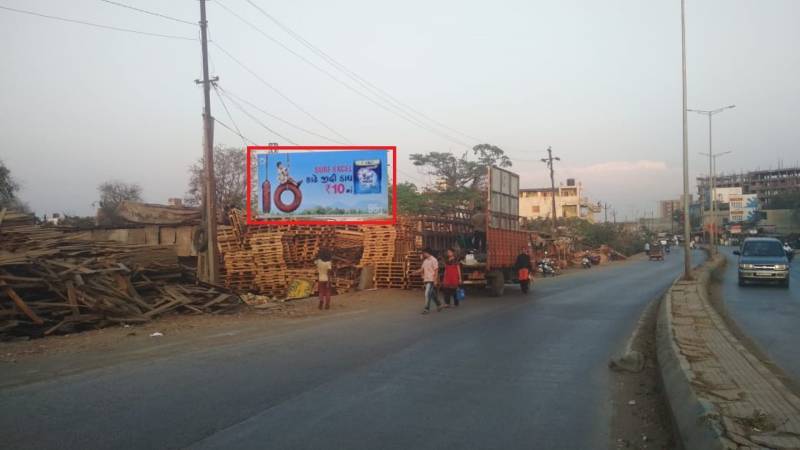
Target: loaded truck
pixel 504 237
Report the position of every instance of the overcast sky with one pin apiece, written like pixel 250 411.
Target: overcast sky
pixel 598 81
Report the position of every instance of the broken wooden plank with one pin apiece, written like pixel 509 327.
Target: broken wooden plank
pixel 21 303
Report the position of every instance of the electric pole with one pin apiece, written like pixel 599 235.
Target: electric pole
pixel 549 161
pixel 605 212
pixel 209 193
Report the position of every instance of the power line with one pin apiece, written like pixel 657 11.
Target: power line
pixel 396 111
pixel 274 89
pixel 97 25
pixel 225 107
pixel 163 16
pixel 351 74
pixel 233 131
pixel 230 94
pixel 262 124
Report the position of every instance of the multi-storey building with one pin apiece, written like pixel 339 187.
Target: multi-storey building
pixel 570 202
pixel 765 184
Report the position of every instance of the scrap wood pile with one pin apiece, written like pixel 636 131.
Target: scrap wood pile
pixel 51 281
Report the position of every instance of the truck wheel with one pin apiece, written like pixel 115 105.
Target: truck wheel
pixel 496 283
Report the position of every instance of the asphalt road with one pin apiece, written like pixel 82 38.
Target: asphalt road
pixel 516 372
pixel 768 314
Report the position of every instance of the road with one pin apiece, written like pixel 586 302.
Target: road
pixel 769 315
pixel 516 372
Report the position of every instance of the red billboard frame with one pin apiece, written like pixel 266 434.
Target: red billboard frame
pixel 294 148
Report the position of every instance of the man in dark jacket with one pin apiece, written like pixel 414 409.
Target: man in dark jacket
pixel 524 269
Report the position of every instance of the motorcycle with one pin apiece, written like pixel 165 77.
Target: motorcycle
pixel 545 267
pixel 586 263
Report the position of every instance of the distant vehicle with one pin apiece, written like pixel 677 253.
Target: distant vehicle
pixel 763 259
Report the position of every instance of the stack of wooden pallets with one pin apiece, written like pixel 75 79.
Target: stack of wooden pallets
pixel 239 270
pixel 344 279
pixel 228 239
pixel 266 248
pixel 378 245
pixel 390 274
pixel 413 261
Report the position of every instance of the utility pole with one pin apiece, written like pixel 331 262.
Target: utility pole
pixel 605 212
pixel 549 161
pixel 687 255
pixel 712 179
pixel 712 230
pixel 614 215
pixel 209 193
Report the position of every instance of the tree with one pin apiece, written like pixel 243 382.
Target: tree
pixel 229 170
pixel 8 188
pixel 409 199
pixel 457 173
pixel 112 193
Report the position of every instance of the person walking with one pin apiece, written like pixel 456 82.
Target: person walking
pixel 430 274
pixel 451 280
pixel 524 268
pixel 324 267
pixel 647 248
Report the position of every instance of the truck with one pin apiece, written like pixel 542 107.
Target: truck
pixel 504 237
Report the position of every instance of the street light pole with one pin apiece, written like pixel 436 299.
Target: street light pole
pixel 712 232
pixel 687 256
pixel 712 178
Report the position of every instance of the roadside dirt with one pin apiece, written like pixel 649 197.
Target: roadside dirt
pixel 186 325
pixel 641 417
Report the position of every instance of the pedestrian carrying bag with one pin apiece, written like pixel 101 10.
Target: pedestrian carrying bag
pixel 460 294
pixel 523 274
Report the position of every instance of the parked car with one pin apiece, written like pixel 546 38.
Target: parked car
pixel 763 259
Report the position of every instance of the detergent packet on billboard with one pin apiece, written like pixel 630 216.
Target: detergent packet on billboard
pixel 367 176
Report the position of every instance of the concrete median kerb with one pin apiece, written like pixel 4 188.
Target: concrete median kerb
pixel 720 394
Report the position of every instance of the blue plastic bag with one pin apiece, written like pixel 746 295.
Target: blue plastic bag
pixel 460 294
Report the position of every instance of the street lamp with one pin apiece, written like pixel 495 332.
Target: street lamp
pixel 712 177
pixel 687 255
pixel 710 114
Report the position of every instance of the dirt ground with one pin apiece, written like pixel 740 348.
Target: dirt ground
pixel 642 419
pixel 181 325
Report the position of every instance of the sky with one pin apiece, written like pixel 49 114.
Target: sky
pixel 600 82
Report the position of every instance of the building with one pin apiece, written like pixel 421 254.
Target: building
pixel 570 202
pixel 765 184
pixel 667 208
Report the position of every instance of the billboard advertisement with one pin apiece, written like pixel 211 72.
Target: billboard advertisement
pixel 310 184
pixel 743 208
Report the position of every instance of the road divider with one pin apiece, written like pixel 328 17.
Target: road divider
pixel 720 394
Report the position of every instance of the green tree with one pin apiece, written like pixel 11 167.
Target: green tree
pixel 229 171
pixel 409 199
pixel 455 173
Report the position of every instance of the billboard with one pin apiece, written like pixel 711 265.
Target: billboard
pixel 743 208
pixel 319 185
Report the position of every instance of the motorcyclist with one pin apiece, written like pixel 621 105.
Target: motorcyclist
pixel 789 250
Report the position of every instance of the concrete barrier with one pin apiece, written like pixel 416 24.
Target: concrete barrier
pixel 721 395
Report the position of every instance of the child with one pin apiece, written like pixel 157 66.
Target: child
pixel 324 267
pixel 284 177
pixel 451 279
